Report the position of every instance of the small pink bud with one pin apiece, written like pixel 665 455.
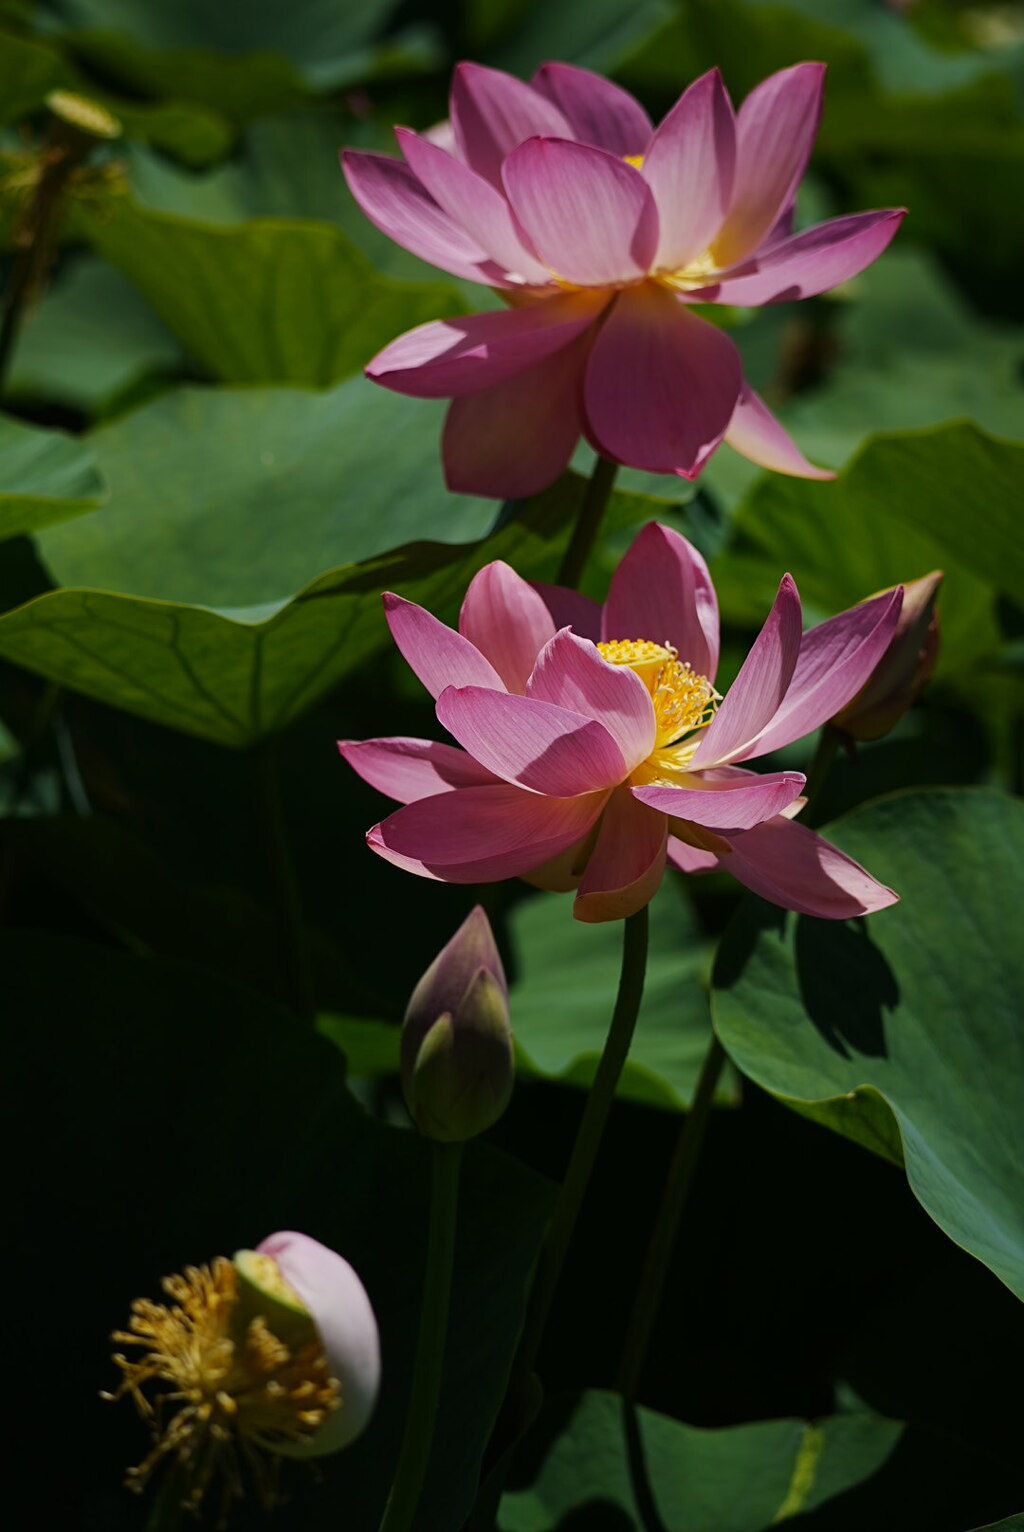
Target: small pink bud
pixel 904 668
pixel 457 1060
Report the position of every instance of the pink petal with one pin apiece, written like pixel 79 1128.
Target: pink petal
pixel 626 865
pixel 728 805
pixel 407 769
pixel 756 695
pixel 755 433
pixel 535 744
pixel 340 1309
pixel 450 357
pixel 480 834
pixel 661 385
pixel 690 859
pixel 689 166
pixel 904 668
pixel 443 135
pixel 599 112
pixel 662 591
pixel 439 656
pixel 589 216
pixel 393 199
pixel 514 439
pixel 571 610
pixel 788 864
pixel 492 113
pixel 571 674
pixel 472 203
pixel 775 132
pixel 783 226
pixel 507 621
pixel 808 263
pixel 836 659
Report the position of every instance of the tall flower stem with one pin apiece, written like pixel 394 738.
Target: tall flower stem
pixel 674 1199
pixel 654 1274
pixel 292 938
pixel 403 1502
pixel 585 1148
pixel 588 522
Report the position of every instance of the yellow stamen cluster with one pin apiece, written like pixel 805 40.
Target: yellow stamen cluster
pixel 683 700
pixel 235 1386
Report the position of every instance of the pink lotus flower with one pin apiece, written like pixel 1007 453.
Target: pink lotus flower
pixel 602 232
pixel 595 747
pixel 275 1351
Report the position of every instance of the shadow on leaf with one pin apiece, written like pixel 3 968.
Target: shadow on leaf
pixel 846 985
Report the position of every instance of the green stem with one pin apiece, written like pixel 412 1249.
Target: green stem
pixel 403 1502
pixel 291 926
pixel 649 1293
pixel 588 1141
pixel 824 756
pixel 588 522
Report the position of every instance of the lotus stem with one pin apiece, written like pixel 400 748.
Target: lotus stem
pixel 400 1513
pixel 649 1293
pixel 588 522
pixel 581 1163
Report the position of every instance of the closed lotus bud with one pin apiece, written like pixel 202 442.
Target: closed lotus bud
pixel 904 668
pixel 457 1062
pixel 274 1352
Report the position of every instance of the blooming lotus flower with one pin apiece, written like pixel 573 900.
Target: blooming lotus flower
pixel 275 1351
pixel 602 233
pixel 595 747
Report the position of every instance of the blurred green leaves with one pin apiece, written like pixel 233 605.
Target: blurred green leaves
pixel 944 498
pixel 45 477
pixel 611 1457
pixel 241 57
pixel 266 301
pixel 920 1004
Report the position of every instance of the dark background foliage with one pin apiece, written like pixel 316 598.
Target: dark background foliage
pixel 201 501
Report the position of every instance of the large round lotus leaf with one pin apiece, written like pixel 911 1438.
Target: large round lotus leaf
pixel 239 497
pixel 920 1002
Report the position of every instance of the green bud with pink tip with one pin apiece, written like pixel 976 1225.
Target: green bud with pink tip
pixel 457 1058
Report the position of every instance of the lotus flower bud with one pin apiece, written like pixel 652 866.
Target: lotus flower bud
pixel 457 1062
pixel 903 669
pixel 273 1352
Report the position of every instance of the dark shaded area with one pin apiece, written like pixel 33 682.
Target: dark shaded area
pixel 805 1265
pixel 846 984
